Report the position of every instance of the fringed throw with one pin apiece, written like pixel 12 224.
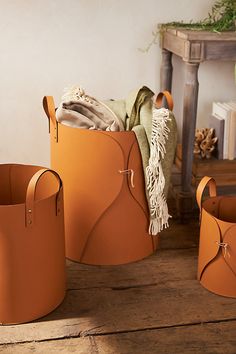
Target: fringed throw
pixel 154 174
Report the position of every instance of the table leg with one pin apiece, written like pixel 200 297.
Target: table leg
pixel 188 133
pixel 166 70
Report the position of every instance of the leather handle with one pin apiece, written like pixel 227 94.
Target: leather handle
pixel 30 195
pixel 49 109
pixel 202 185
pixel 168 97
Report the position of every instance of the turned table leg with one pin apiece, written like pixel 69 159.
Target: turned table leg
pixel 188 133
pixel 166 70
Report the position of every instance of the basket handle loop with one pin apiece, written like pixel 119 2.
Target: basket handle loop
pixel 168 97
pixel 49 109
pixel 30 195
pixel 202 185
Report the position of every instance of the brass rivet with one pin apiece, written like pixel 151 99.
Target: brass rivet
pixel 30 211
pixel 30 221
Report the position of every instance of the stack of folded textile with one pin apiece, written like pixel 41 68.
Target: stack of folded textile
pixel 155 130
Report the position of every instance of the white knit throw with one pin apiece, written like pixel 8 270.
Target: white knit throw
pixel 154 174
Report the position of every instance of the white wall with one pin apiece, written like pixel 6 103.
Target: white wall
pixel 47 45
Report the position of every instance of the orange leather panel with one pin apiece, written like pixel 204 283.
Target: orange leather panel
pixel 106 219
pixel 32 259
pixel 208 244
pixel 217 247
pixel 230 252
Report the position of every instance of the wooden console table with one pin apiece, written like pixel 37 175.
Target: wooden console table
pixel 193 47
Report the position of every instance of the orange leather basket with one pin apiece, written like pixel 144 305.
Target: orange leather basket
pixel 217 249
pixel 106 212
pixel 32 250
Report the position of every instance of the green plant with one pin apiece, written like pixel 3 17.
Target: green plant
pixel 221 18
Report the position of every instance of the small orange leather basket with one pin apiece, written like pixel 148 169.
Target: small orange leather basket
pixel 217 248
pixel 106 212
pixel 32 249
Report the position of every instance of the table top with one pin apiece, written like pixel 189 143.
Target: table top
pixel 193 35
pixel 196 46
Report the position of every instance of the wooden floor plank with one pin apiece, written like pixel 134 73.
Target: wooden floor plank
pixel 212 338
pixel 180 235
pixel 95 311
pixel 73 345
pixel 164 265
pixel 118 309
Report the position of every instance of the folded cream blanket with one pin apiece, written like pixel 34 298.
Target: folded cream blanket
pixel 155 130
pixel 82 111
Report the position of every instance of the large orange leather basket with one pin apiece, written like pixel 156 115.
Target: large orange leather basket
pixel 32 246
pixel 106 212
pixel 217 248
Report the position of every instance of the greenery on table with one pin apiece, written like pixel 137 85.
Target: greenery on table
pixel 221 18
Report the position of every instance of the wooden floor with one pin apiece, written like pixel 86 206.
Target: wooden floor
pixel 152 306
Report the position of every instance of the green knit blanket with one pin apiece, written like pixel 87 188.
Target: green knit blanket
pixel 136 111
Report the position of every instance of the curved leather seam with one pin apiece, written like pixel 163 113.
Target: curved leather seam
pixel 234 225
pixel 128 157
pixel 140 205
pixel 116 196
pixel 206 265
pixel 117 142
pixel 234 273
pixel 229 266
pixel 98 220
pixel 105 210
pixel 100 132
pixel 112 202
pixel 222 240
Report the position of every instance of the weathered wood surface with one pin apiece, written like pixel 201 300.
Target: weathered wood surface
pixel 166 71
pixel 223 171
pixel 197 46
pixel 180 235
pixel 150 271
pixel 197 339
pixel 104 300
pixel 193 47
pixel 190 100
pixel 202 35
pixel 152 306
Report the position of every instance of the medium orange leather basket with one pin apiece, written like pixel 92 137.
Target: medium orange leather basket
pixel 217 249
pixel 106 212
pixel 32 250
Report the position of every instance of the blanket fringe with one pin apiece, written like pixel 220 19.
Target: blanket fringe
pixel 154 174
